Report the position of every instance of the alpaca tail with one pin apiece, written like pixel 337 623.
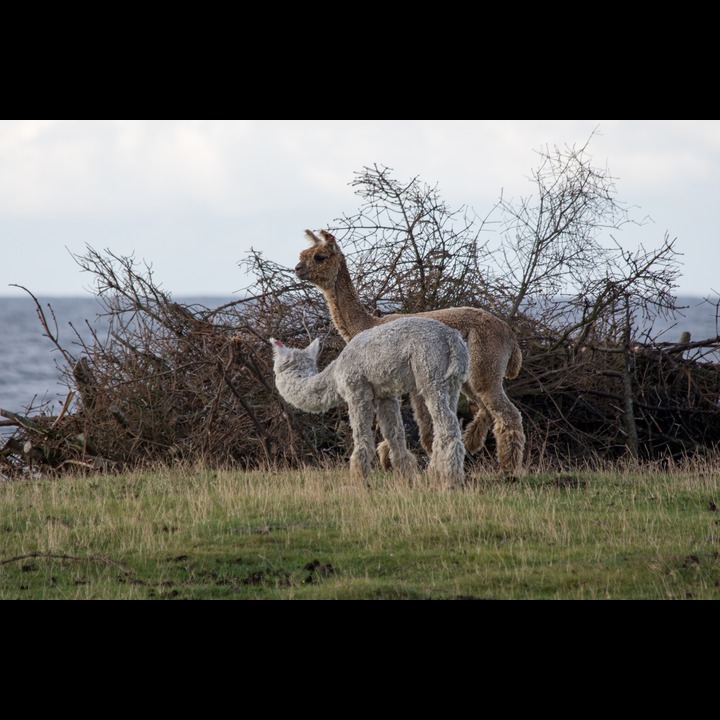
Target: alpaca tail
pixel 513 367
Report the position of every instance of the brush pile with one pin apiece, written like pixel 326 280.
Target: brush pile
pixel 173 382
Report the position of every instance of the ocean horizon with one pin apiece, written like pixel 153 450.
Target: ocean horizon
pixel 29 373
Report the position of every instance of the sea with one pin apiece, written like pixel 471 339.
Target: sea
pixel 30 375
pixel 30 362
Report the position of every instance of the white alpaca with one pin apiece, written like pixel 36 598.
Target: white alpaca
pixel 378 366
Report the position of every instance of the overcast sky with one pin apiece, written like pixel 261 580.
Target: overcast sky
pixel 191 197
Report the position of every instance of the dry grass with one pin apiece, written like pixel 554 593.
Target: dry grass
pixel 190 533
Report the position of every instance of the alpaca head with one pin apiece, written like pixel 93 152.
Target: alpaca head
pixel 304 360
pixel 320 263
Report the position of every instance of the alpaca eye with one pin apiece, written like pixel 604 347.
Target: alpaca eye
pixel 319 258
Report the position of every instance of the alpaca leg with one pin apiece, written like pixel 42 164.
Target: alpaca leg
pixel 508 431
pixel 488 364
pixel 425 431
pixel 448 453
pixel 383 453
pixel 456 448
pixel 476 432
pixel 424 422
pixel 362 412
pixel 392 428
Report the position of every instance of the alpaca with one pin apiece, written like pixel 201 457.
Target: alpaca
pixel 413 355
pixel 494 353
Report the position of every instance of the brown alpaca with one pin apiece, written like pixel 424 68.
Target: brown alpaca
pixel 494 354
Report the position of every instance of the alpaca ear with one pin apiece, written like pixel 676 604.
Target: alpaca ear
pixel 278 348
pixel 313 237
pixel 314 348
pixel 327 238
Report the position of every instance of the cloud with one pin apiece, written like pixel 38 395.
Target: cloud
pixel 170 187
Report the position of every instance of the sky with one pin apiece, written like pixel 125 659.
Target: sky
pixel 191 198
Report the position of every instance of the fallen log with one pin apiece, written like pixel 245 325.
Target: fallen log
pixel 23 421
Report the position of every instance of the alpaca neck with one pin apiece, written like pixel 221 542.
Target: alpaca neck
pixel 313 393
pixel 348 312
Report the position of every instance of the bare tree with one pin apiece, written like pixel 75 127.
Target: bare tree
pixel 411 252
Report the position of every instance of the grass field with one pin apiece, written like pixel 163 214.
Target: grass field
pixel 314 535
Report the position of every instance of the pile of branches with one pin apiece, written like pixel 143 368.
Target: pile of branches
pixel 169 382
pixel 175 382
pixel 615 400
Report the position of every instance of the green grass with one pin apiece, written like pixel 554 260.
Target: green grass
pixel 313 535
